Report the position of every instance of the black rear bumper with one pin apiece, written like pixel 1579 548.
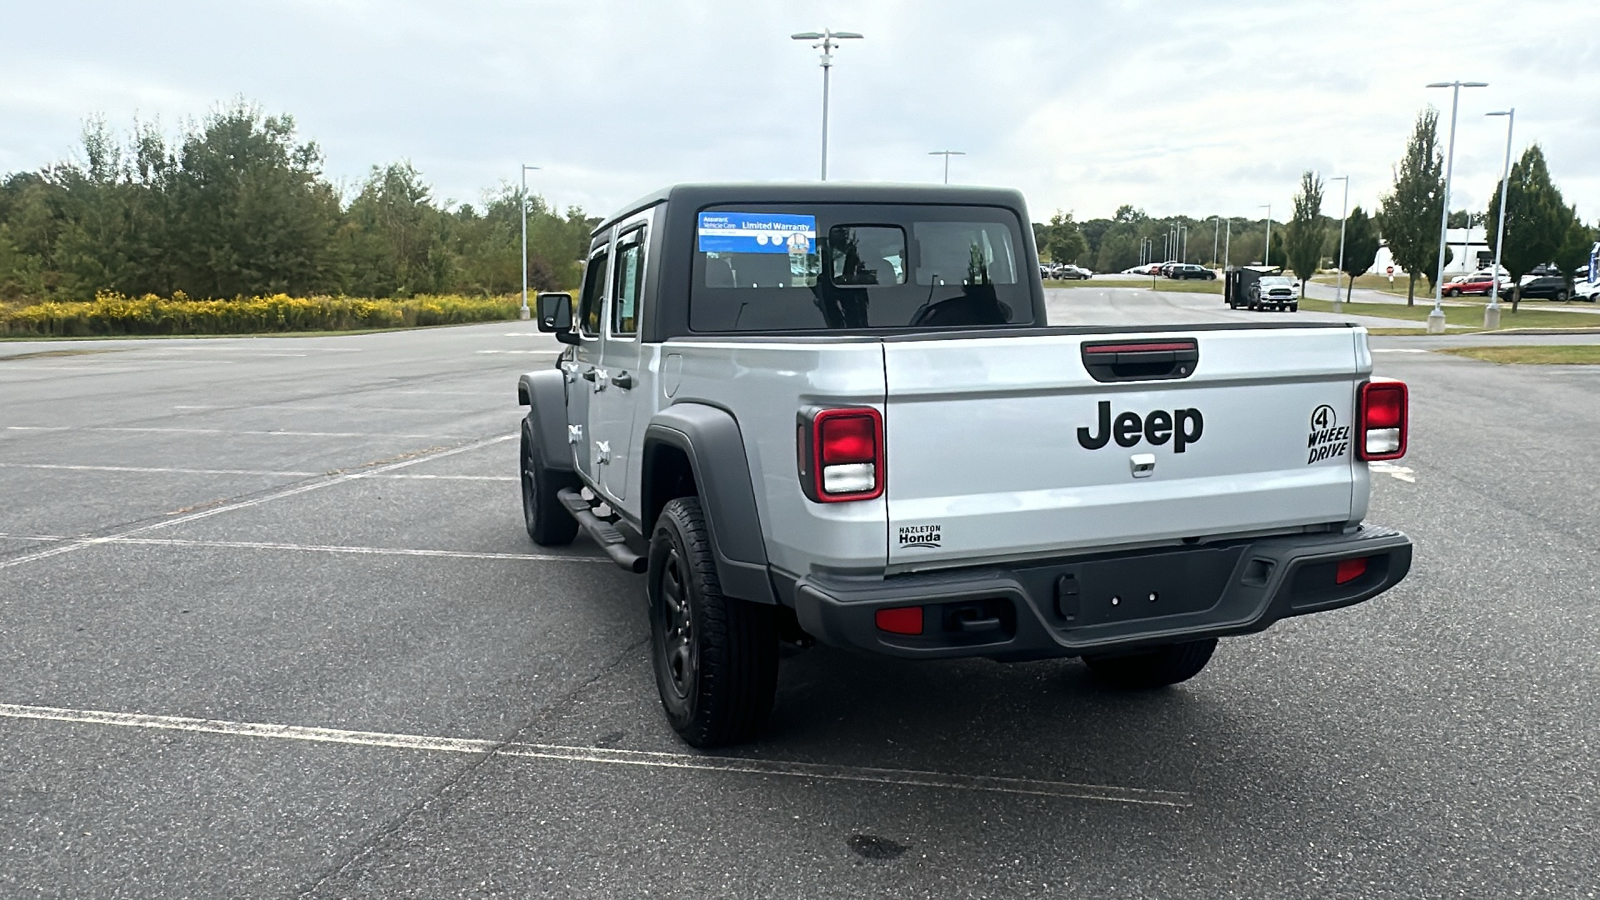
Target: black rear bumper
pixel 1107 603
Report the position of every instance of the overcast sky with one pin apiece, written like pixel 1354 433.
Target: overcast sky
pixel 1198 107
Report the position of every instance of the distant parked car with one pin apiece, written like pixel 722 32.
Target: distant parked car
pixel 1552 287
pixel 1069 272
pixel 1586 290
pixel 1469 284
pixel 1190 271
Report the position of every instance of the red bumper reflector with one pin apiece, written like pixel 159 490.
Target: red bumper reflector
pixel 900 620
pixel 1349 570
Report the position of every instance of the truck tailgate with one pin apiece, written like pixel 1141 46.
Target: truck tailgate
pixel 1004 448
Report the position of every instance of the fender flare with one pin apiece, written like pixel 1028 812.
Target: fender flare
pixel 545 395
pixel 711 440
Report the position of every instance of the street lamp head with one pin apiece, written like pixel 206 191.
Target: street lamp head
pixel 947 153
pixel 1339 178
pixel 807 36
pixel 1445 84
pixel 846 34
pixel 1503 112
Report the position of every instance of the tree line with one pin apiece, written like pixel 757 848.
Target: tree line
pixel 239 206
pixel 1540 228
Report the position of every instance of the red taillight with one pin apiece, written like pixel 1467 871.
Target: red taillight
pixel 842 455
pixel 844 439
pixel 1382 419
pixel 1349 570
pixel 900 619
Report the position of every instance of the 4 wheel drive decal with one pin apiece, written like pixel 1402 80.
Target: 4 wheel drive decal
pixel 1329 439
pixel 1181 426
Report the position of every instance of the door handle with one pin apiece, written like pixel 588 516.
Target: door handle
pixel 589 375
pixel 622 380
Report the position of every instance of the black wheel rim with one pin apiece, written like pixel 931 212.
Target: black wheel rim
pixel 677 626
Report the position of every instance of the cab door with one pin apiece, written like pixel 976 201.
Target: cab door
pixel 580 368
pixel 618 378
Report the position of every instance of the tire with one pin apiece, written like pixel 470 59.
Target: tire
pixel 547 521
pixel 1153 668
pixel 1294 307
pixel 1452 293
pixel 715 657
pixel 1561 296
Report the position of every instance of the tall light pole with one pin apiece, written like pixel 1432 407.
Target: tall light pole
pixel 1215 234
pixel 1436 318
pixel 522 200
pixel 1227 244
pixel 825 41
pixel 946 154
pixel 1344 210
pixel 1183 243
pixel 1266 255
pixel 1491 313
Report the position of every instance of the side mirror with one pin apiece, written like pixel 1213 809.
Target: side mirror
pixel 555 312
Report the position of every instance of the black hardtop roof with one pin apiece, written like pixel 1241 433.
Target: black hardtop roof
pixel 696 196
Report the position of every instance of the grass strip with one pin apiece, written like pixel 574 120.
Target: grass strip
pixel 1537 355
pixel 1462 316
pixel 1194 286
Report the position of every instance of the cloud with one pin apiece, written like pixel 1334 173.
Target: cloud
pixel 1200 107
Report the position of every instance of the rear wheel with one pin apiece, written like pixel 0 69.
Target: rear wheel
pixel 716 657
pixel 1153 668
pixel 547 521
pixel 1561 296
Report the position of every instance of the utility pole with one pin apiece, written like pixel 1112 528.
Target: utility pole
pixel 1491 313
pixel 1215 233
pixel 826 40
pixel 1227 245
pixel 522 200
pixel 1343 211
pixel 1266 255
pixel 1436 324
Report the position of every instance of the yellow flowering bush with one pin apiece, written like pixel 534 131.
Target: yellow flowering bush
pixel 114 314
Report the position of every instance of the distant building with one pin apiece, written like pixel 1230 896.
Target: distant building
pixel 1469 252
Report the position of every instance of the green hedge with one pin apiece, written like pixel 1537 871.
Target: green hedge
pixel 114 314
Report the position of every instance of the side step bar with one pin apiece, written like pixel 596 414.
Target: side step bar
pixel 604 533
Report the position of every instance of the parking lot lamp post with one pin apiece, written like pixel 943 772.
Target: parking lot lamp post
pixel 826 40
pixel 1491 313
pixel 1436 318
pixel 1227 244
pixel 1183 243
pixel 1344 210
pixel 1266 255
pixel 1216 234
pixel 522 200
pixel 947 154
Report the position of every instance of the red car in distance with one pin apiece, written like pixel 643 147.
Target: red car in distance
pixel 1469 284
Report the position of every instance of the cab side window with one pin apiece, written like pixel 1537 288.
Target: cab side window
pixel 594 287
pixel 627 284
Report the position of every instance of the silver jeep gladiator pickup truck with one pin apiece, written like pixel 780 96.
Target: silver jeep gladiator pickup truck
pixel 838 413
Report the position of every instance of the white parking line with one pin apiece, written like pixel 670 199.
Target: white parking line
pixel 312 548
pixel 235 431
pixel 161 470
pixel 1400 473
pixel 608 756
pixel 254 501
pixel 365 551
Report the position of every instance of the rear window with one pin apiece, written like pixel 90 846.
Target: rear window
pixel 802 267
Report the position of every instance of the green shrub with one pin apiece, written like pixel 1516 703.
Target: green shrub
pixel 114 314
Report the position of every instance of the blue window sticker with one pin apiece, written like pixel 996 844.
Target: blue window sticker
pixel 737 232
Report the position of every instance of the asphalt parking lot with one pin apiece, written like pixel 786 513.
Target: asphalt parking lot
pixel 271 627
